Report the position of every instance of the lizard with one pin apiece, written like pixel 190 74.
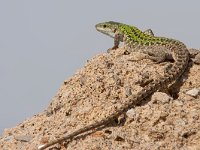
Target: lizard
pixel 136 40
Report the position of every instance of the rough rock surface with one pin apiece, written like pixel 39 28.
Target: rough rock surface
pixel 169 119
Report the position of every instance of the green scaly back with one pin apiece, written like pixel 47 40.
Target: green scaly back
pixel 133 34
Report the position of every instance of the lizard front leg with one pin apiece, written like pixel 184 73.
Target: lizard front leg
pixel 117 38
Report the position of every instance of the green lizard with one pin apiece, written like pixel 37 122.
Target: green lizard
pixel 158 48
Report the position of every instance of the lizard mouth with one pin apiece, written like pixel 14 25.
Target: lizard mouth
pixel 105 31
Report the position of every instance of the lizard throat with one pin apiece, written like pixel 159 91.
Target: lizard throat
pixel 109 33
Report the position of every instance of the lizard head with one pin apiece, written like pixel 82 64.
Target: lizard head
pixel 108 28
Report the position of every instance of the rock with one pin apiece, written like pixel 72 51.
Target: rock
pixel 161 97
pixel 157 122
pixel 193 92
pixel 23 138
pixel 8 138
pixel 131 113
pixel 197 59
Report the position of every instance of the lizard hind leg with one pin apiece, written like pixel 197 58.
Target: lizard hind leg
pixel 157 55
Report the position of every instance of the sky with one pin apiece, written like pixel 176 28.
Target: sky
pixel 44 42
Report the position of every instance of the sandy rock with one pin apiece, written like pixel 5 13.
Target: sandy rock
pixel 161 121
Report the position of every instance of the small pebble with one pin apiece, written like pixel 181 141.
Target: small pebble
pixel 160 97
pixel 130 113
pixel 8 138
pixel 194 92
pixel 197 59
pixel 23 138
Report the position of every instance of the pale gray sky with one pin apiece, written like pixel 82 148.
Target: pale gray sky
pixel 43 42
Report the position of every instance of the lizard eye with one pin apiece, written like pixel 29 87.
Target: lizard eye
pixel 104 26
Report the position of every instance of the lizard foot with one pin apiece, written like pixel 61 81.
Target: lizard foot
pixel 113 48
